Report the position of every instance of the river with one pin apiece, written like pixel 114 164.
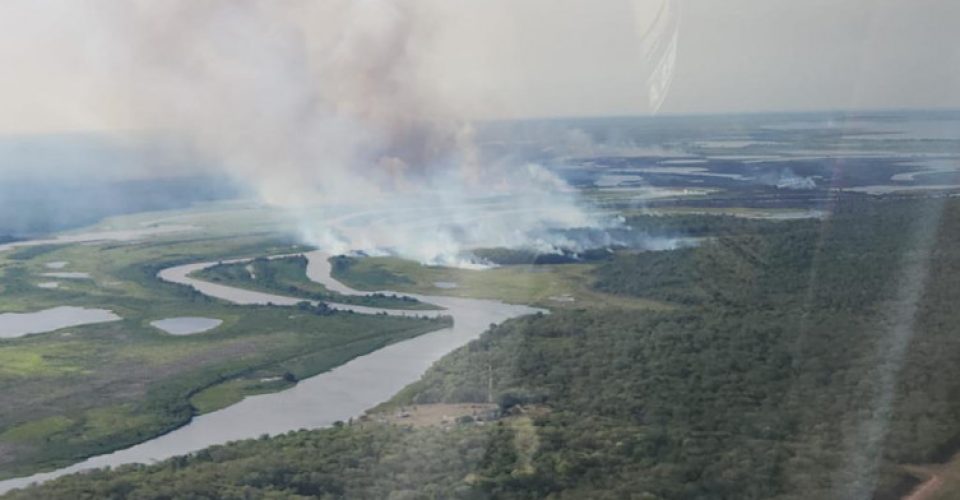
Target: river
pixel 339 394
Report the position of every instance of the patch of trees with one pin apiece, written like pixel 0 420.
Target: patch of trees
pixel 636 234
pixel 702 225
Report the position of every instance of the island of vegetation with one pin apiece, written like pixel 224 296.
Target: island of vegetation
pixel 288 275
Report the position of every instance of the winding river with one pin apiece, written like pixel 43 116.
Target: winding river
pixel 339 394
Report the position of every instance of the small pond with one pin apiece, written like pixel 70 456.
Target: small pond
pixel 13 325
pixel 186 325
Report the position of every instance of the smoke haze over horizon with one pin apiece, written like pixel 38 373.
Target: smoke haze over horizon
pixel 373 103
pixel 321 104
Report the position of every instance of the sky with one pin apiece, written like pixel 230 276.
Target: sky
pixel 65 68
pixel 569 58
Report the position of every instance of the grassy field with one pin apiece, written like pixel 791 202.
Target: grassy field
pixel 549 286
pixel 85 390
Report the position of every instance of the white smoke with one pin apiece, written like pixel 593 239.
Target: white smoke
pixel 787 179
pixel 326 110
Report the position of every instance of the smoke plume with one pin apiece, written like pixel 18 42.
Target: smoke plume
pixel 324 107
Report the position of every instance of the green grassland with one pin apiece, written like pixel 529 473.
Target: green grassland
pixel 288 276
pixel 550 286
pixel 85 390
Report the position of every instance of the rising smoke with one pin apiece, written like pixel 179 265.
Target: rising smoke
pixel 335 106
pixel 327 110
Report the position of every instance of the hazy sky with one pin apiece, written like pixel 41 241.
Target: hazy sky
pixel 65 65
